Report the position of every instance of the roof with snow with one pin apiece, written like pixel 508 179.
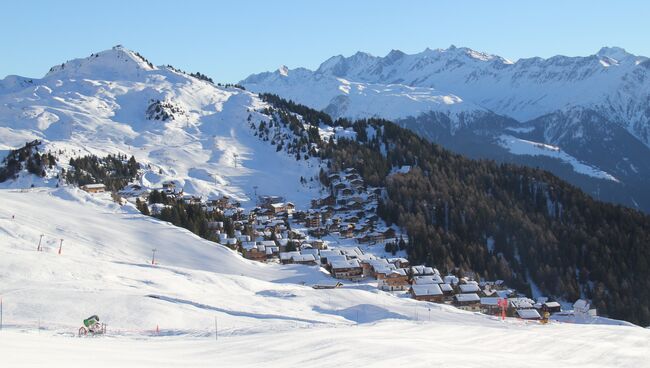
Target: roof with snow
pixel 528 314
pixel 469 288
pixel 426 290
pixel 467 298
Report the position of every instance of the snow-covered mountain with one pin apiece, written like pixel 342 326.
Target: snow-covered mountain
pixel 340 97
pixel 611 81
pixel 494 97
pixel 181 127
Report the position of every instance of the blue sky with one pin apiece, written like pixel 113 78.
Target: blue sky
pixel 230 40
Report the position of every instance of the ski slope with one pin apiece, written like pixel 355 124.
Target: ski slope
pixel 264 313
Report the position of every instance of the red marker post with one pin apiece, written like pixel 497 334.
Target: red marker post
pixel 60 246
pixel 503 303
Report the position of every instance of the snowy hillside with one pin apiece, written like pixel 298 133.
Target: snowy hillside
pixel 262 311
pixel 181 127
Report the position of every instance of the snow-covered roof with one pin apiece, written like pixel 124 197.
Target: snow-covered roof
pixel 446 288
pixel 422 270
pixel 350 263
pixel 490 300
pixel 521 302
pixel 288 255
pixel 528 314
pixel 429 279
pixel 427 289
pixel 336 258
pixel 311 251
pixel 451 279
pixel 303 258
pixel 504 293
pixel 469 288
pixel 397 271
pixel 329 253
pixel 467 298
pixel 552 304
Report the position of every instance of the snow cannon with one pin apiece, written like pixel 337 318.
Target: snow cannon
pixel 92 326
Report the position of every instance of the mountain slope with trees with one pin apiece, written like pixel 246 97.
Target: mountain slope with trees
pixel 501 221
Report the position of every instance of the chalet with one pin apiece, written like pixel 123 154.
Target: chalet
pixel 490 306
pixel 370 264
pixel 94 188
pixel 345 191
pixel 313 220
pixel 395 280
pixel 400 262
pixel 448 292
pixel 281 207
pixel 334 176
pixel 349 269
pixel 531 314
pixel 551 307
pixel 326 255
pixel 468 302
pixel 381 272
pixel 519 303
pixel 254 252
pixel 428 293
pixel 373 237
pixel 267 200
pixel 287 257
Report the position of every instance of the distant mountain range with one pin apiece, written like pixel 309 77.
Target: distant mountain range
pixel 586 119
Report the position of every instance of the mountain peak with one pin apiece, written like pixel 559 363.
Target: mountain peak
pixel 616 53
pixel 109 64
